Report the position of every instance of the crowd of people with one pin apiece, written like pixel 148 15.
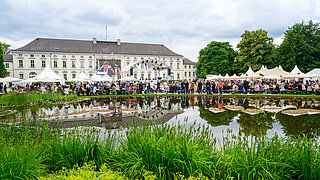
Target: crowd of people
pixel 177 87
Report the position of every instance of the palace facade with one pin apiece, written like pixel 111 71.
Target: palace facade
pixel 69 57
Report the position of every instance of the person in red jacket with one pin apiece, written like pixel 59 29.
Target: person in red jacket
pixel 220 86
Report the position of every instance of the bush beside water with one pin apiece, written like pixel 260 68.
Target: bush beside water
pixel 32 150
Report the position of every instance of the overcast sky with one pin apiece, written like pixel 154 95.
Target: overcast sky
pixel 185 26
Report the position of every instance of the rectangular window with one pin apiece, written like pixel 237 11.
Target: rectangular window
pixel 64 64
pixel 142 76
pixel 20 63
pixel 185 74
pixel 73 64
pixel 65 76
pixel 185 66
pixel 178 66
pixel 21 75
pixel 164 76
pixel 90 64
pixel 194 74
pixel 20 55
pixel 43 63
pixel 135 76
pixel 90 75
pixel 149 76
pixel 128 63
pixel 82 64
pixel 189 74
pixel 178 76
pixel 32 63
pixel 189 66
pixel 171 65
pixel 43 55
pixel 142 66
pixel 55 63
pixel 7 65
pixel 32 55
pixel 73 76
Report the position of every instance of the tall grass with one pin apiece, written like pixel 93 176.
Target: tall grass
pixel 21 151
pixel 26 98
pixel 75 147
pixel 30 150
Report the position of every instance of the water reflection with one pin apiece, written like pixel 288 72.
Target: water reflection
pixel 254 116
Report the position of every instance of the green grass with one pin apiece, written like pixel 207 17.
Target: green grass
pixel 34 98
pixel 31 150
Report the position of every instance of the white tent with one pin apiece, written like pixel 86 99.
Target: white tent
pixel 263 70
pixel 277 71
pixel 296 70
pixel 48 75
pixel 315 71
pixel 82 77
pixel 128 79
pixel 212 77
pixel 226 76
pixel 101 78
pixel 271 77
pixel 250 76
pixel 9 79
pixel 249 72
pixel 233 77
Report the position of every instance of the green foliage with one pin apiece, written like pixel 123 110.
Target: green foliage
pixel 164 150
pixel 255 50
pixel 21 151
pixel 87 171
pixel 5 48
pixel 216 58
pixel 301 47
pixel 29 150
pixel 77 147
pixel 3 70
pixel 25 98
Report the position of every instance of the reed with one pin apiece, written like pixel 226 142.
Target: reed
pixel 35 98
pixel 31 149
pixel 75 148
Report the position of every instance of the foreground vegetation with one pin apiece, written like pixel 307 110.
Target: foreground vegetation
pixel 33 98
pixel 33 150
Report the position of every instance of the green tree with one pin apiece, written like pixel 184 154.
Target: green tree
pixel 301 47
pixel 255 50
pixel 5 48
pixel 216 58
pixel 3 70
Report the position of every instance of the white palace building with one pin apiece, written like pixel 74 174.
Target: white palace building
pixel 68 58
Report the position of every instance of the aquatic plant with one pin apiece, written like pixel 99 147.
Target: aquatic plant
pixel 31 149
pixel 34 98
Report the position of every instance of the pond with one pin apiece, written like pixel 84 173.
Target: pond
pixel 251 116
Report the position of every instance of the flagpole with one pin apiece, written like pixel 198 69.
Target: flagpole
pixel 106 33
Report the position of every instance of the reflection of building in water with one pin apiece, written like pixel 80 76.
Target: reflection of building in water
pixel 111 113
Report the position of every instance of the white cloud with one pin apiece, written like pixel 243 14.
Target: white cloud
pixel 185 26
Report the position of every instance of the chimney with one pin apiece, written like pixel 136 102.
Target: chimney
pixel 118 42
pixel 94 41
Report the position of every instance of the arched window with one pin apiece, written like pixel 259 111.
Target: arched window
pixel 32 75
